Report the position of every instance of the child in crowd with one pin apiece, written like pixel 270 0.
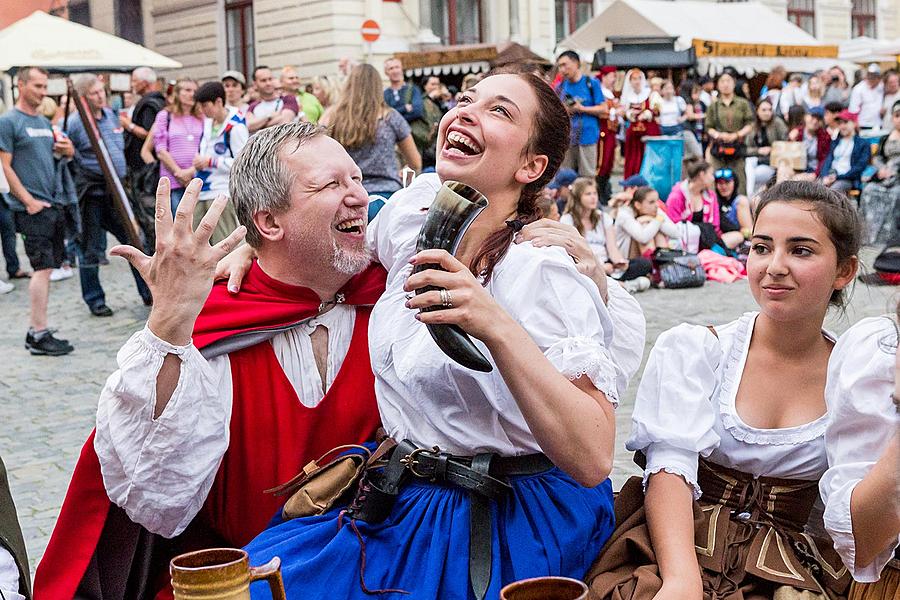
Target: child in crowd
pixel 693 201
pixel 730 423
pixel 597 228
pixel 642 225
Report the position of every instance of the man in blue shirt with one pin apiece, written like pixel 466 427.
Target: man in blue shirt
pixel 31 154
pixel 98 213
pixel 583 97
pixel 403 97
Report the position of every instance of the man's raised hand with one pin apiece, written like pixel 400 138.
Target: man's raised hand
pixel 180 273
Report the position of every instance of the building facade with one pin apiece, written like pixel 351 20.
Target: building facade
pixel 210 36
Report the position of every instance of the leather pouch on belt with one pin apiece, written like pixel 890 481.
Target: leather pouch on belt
pixel 322 486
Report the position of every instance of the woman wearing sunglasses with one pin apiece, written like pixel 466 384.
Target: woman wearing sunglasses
pixel 735 219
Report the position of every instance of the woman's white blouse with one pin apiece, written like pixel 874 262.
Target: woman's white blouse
pixel 685 409
pixel 863 421
pixel 428 398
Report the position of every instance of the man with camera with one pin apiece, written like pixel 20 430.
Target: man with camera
pixel 583 97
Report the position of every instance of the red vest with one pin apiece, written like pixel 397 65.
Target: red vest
pixel 273 435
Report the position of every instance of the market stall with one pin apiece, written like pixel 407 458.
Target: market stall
pixel 745 35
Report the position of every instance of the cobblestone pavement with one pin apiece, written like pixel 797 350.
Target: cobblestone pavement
pixel 48 404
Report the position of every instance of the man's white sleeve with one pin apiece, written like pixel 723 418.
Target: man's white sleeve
pixel 160 470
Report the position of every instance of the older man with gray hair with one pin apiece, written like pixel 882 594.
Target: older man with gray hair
pixel 225 395
pixel 142 177
pixel 98 213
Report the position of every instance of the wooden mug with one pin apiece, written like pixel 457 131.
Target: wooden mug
pixel 545 588
pixel 222 574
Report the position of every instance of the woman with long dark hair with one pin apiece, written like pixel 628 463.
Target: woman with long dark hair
pixel 533 438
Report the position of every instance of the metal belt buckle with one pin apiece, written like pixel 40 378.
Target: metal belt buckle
pixel 409 461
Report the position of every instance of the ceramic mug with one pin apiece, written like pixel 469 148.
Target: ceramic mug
pixel 545 588
pixel 221 574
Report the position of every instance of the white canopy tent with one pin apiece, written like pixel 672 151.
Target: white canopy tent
pixel 866 50
pixel 734 23
pixel 56 44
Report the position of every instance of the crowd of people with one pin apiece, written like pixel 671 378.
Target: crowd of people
pixel 254 363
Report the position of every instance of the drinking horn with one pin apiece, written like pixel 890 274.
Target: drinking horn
pixel 453 210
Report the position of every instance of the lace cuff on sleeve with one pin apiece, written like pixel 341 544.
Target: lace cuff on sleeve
pixel 577 356
pixel 661 457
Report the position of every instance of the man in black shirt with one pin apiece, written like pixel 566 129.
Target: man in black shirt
pixel 141 176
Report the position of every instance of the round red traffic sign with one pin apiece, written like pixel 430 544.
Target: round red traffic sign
pixel 370 30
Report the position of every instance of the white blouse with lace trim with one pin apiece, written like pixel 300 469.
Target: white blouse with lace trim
pixel 425 396
pixel 685 409
pixel 863 421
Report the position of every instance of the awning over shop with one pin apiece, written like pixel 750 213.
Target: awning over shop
pixel 865 50
pixel 59 45
pixel 473 58
pixel 644 52
pixel 746 35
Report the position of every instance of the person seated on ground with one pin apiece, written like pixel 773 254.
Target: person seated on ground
pixel 816 142
pixel 795 116
pixel 832 110
pixel 583 212
pixel 551 389
pixel 560 185
pixel 629 185
pixel 767 128
pixel 736 219
pixel 730 422
pixel 692 200
pixel 547 205
pixel 879 202
pixel 642 225
pixel 862 441
pixel 848 157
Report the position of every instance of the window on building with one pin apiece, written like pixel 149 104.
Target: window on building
pixel 802 13
pixel 456 21
pixel 239 36
pixel 130 20
pixel 572 14
pixel 862 18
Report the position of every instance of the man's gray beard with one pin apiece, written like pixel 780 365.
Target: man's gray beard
pixel 349 262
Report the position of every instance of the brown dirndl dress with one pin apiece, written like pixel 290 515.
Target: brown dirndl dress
pixel 749 537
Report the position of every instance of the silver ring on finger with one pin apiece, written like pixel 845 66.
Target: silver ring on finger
pixel 446 299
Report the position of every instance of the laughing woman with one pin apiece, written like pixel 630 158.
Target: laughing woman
pixel 731 421
pixel 532 440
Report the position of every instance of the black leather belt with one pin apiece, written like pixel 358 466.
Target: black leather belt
pixel 483 475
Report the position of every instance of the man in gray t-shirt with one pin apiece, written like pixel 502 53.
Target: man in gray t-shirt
pixel 27 150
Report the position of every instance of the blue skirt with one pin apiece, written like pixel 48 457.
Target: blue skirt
pixel 547 525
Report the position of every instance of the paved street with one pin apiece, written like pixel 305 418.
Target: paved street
pixel 48 404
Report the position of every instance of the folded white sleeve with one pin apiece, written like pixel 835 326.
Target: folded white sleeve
pixel 563 313
pixel 673 417
pixel 160 470
pixel 863 421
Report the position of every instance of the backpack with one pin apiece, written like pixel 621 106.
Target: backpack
pixel 424 129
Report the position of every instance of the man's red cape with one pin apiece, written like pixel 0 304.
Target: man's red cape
pixel 262 303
